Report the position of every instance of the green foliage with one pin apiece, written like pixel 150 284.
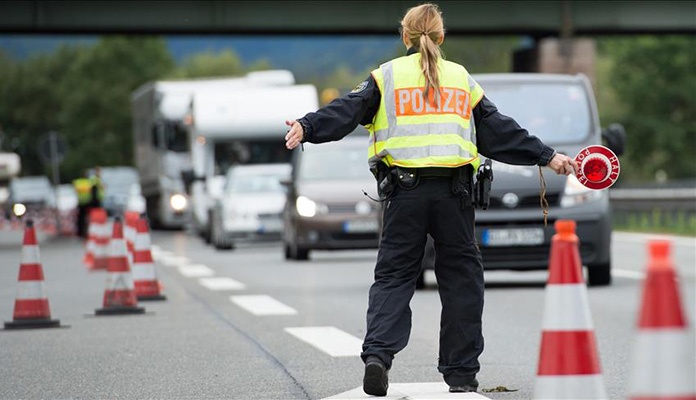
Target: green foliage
pixel 84 94
pixel 654 77
pixel 95 115
pixel 210 64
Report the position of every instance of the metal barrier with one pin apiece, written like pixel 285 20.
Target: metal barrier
pixel 655 209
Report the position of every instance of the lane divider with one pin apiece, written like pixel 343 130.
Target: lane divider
pixel 221 283
pixel 195 271
pixel 329 339
pixel 262 305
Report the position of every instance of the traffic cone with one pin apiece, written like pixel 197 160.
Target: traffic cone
pixel 569 366
pixel 663 360
pixel 146 285
pixel 31 309
pixel 97 247
pixel 129 232
pixel 119 296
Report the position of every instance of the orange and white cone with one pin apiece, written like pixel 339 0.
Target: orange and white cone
pixel 31 309
pixel 97 247
pixel 663 359
pixel 119 296
pixel 129 231
pixel 569 366
pixel 146 285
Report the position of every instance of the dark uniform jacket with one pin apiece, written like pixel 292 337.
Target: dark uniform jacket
pixel 498 136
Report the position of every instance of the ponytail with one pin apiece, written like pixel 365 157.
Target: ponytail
pixel 430 54
pixel 424 28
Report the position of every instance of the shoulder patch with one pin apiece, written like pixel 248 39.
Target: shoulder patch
pixel 361 86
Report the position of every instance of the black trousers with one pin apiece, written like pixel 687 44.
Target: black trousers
pixel 409 215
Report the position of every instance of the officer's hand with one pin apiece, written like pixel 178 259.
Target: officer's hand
pixel 562 164
pixel 295 134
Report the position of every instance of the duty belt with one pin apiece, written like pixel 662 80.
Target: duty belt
pixel 434 172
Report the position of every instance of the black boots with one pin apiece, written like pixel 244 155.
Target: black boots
pixel 472 386
pixel 375 382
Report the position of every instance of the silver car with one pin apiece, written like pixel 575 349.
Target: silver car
pixel 251 205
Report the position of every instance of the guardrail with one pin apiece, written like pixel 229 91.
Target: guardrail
pixel 655 208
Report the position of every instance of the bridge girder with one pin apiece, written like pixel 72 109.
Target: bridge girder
pixel 472 17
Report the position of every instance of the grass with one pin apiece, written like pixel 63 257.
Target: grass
pixel 679 222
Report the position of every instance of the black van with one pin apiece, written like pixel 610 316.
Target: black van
pixel 561 111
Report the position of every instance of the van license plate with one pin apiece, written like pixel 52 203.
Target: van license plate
pixel 513 237
pixel 360 226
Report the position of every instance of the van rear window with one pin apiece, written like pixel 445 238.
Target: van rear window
pixel 555 113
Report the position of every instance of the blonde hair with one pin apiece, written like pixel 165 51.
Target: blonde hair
pixel 424 28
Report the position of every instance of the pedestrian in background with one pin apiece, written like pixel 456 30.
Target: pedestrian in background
pixel 428 120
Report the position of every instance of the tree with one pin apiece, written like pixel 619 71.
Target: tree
pixel 209 64
pixel 654 78
pixel 30 104
pixel 95 98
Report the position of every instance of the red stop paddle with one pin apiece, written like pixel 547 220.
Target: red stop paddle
pixel 598 167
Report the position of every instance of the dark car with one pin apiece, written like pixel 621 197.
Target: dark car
pixel 561 111
pixel 327 208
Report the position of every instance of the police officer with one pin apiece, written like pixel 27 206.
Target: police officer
pixel 90 192
pixel 428 121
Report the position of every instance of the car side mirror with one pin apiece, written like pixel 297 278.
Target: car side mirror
pixel 615 137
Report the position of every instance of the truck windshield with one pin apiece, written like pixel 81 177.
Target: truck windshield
pixel 555 113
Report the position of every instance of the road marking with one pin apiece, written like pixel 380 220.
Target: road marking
pixel 262 305
pixel 175 261
pixel 329 339
pixel 411 391
pixel 625 273
pixel 221 283
pixel 195 271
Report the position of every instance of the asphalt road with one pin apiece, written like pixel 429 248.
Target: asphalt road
pixel 247 324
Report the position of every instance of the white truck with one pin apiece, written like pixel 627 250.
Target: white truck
pixel 161 145
pixel 241 126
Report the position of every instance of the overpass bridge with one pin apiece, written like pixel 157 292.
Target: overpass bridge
pixel 538 19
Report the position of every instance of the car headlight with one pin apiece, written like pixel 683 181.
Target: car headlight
pixel 19 209
pixel 307 207
pixel 575 193
pixel 178 202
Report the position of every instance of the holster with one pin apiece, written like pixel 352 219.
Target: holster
pixel 462 185
pixel 386 179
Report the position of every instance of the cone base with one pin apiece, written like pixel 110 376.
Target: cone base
pixel 32 323
pixel 119 310
pixel 156 297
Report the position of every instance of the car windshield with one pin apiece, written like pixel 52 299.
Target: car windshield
pixel 555 113
pixel 31 185
pixel 332 163
pixel 263 183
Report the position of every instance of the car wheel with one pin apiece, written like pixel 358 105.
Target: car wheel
pixel 599 274
pixel 217 238
pixel 288 253
pixel 301 254
pixel 420 281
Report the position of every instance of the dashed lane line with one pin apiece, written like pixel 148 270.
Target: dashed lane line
pixel 626 273
pixel 221 283
pixel 262 305
pixel 195 271
pixel 329 339
pixel 411 391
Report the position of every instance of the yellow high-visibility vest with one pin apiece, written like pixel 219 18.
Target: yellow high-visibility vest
pixel 83 187
pixel 410 132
